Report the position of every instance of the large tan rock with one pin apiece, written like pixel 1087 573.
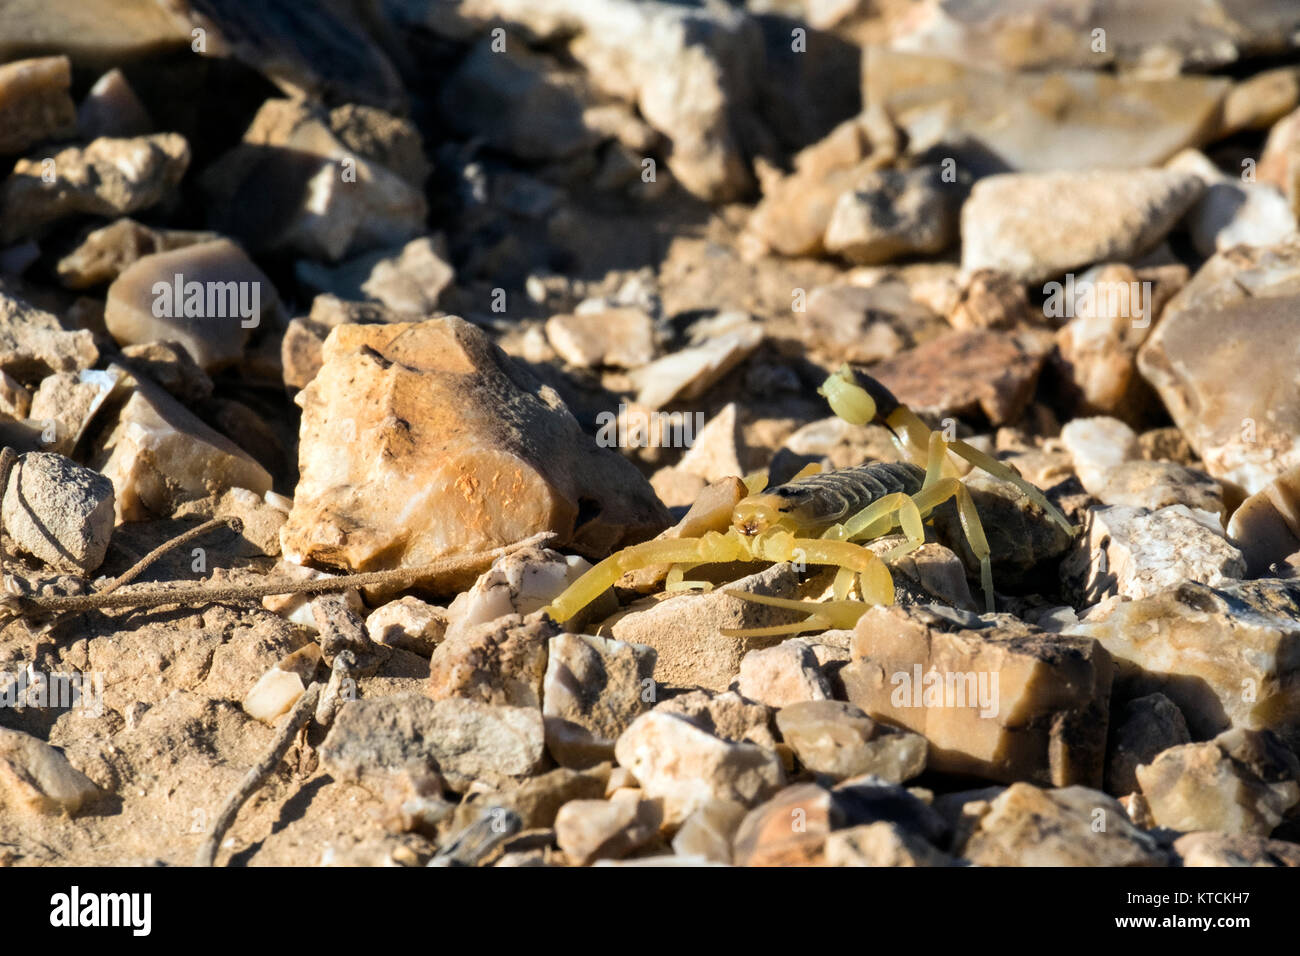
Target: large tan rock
pixel 1226 656
pixel 1223 358
pixel 421 440
pixel 1060 120
pixel 995 698
pixel 1016 222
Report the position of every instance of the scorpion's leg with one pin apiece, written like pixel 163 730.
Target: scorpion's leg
pixel 999 470
pixel 943 489
pixel 905 419
pixel 828 615
pixel 711 548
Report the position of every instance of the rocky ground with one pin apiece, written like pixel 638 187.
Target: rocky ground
pixel 399 283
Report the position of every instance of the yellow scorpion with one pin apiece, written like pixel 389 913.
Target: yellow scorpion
pixel 817 516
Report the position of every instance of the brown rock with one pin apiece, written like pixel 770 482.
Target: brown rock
pixel 782 675
pixel 34 344
pixel 963 373
pixel 995 698
pixel 589 830
pixel 107 251
pixel 790 829
pixel 34 102
pixel 1266 527
pixel 208 297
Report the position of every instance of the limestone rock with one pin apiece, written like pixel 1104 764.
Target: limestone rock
pixel 890 214
pixel 67 403
pixel 1046 33
pixel 109 177
pixel 208 297
pixel 159 455
pixel 1266 527
pixel 408 623
pixel 536 799
pixel 593 689
pixel 718 451
pixel 708 833
pixel 1026 826
pixel 1225 656
pixel 398 429
pixel 1137 553
pixel 782 675
pixel 59 512
pixel 837 739
pixel 881 844
pixel 993 697
pixel 686 767
pixel 497 662
pixel 589 830
pixel 34 102
pixel 1017 223
pixel 692 371
pixel 1039 122
pixel 1241 783
pixel 409 279
pixel 1233 212
pixel 1207 848
pixel 623 338
pixel 37 778
pixel 686 630
pixel 726 715
pixel 33 343
pixel 1221 347
pixel 520 582
pixel 463 739
pixel 293 186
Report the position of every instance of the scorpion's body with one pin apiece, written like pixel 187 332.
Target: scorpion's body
pixel 816 502
pixel 818 517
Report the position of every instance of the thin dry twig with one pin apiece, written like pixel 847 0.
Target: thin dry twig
pixel 130 574
pixel 398 578
pixel 298 717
